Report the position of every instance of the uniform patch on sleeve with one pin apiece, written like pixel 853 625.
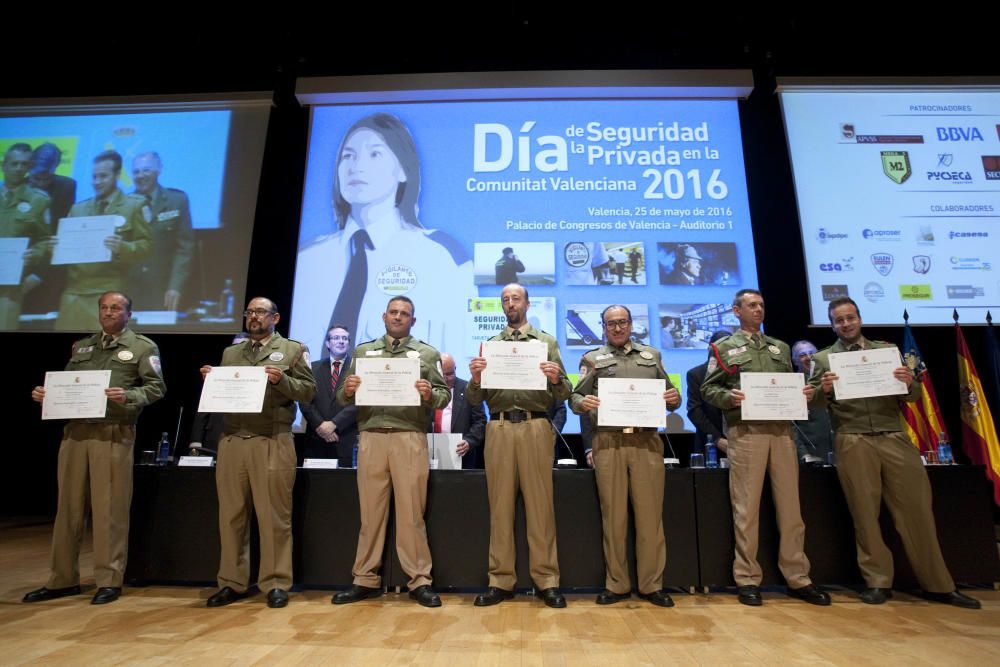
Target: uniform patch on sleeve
pixel 712 365
pixel 154 361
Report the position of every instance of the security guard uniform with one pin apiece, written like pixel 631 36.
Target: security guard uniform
pixel 627 461
pixel 95 459
pixel 519 446
pixel 876 461
pixel 392 455
pixel 256 467
pixel 755 448
pixel 24 212
pixel 86 282
pixel 168 266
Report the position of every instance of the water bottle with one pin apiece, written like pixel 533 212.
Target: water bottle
pixel 711 453
pixel 354 457
pixel 227 300
pixel 163 450
pixel 944 450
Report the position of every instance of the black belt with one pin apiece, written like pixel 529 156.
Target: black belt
pixel 515 416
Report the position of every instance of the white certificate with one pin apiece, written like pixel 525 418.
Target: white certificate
pixel 388 381
pixel 444 449
pixel 12 259
pixel 773 397
pixel 631 402
pixel 81 240
pixel 75 394
pixel 234 389
pixel 866 373
pixel 514 364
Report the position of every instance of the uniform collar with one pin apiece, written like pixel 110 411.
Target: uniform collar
pixel 526 332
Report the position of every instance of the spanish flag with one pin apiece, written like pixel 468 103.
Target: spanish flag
pixel 922 417
pixel 979 434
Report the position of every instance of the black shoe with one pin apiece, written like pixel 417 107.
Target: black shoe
pixel 43 593
pixel 106 594
pixel 277 598
pixel 811 594
pixel 425 596
pixel 355 593
pixel 493 596
pixel 552 598
pixel 750 596
pixel 610 597
pixel 659 598
pixel 955 599
pixel 224 596
pixel 876 595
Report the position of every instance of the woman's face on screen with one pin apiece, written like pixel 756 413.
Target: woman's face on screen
pixel 368 170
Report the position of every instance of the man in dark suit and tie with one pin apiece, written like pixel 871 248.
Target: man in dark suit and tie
pixel 332 427
pixel 707 418
pixel 461 416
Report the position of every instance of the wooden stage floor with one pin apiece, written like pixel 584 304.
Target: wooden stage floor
pixel 160 625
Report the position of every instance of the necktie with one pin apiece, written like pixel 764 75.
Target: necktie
pixel 107 340
pixel 756 339
pixel 352 293
pixel 102 206
pixel 395 344
pixel 854 348
pixel 255 349
pixel 516 335
pixel 335 375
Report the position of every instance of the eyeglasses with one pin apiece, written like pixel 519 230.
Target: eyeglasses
pixel 259 312
pixel 617 324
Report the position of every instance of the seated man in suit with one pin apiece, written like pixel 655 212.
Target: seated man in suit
pixel 332 428
pixel 461 416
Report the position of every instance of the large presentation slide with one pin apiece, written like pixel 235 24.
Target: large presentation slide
pixel 156 200
pixel 586 202
pixel 899 199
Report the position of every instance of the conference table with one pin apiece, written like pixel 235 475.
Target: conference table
pixel 174 531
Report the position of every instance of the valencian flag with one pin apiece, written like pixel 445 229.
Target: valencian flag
pixel 923 416
pixel 979 434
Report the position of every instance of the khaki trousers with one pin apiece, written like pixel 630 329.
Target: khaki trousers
pixel 257 472
pixel 95 468
pixel 753 450
pixel 631 464
pixel 521 455
pixel 873 467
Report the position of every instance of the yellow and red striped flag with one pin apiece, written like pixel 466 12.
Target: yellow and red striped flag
pixel 979 433
pixel 922 417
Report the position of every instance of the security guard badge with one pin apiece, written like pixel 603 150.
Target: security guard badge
pixel 24 207
pixel 276 356
pixel 773 349
pixel 646 355
pixel 412 354
pixel 125 355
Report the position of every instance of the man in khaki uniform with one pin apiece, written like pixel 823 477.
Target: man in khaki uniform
pixel 519 446
pixel 627 460
pixel 756 447
pixel 392 455
pixel 256 466
pixel 130 243
pixel 24 213
pixel 876 460
pixel 95 457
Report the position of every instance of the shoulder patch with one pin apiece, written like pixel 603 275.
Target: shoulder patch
pixel 449 243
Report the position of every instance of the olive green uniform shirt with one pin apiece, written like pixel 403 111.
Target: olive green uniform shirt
pixel 25 213
pixel 297 384
pixel 134 362
pixel 169 264
pixel 861 415
pixel 735 354
pixel 136 245
pixel 536 400
pixel 408 417
pixel 630 361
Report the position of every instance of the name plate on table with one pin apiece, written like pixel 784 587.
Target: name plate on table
pixel 195 462
pixel 321 464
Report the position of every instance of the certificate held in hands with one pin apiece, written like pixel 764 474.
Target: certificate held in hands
pixel 773 397
pixel 234 389
pixel 632 402
pixel 388 381
pixel 866 373
pixel 514 365
pixel 75 394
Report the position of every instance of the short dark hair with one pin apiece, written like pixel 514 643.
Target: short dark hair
pixel 19 147
pixel 274 306
pixel 738 299
pixel 112 156
pixel 337 326
pixel 837 303
pixel 128 299
pixel 615 305
pixel 399 140
pixel 413 309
